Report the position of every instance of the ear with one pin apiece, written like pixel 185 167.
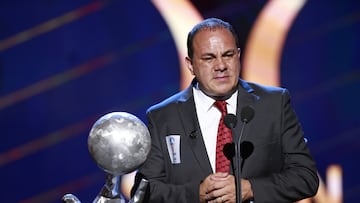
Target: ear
pixel 239 52
pixel 189 65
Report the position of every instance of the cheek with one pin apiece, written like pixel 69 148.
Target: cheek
pixel 234 63
pixel 203 69
pixel 235 67
pixel 205 73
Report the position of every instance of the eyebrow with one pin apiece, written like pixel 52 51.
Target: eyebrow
pixel 232 51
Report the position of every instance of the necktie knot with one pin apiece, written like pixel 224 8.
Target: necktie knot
pixel 221 105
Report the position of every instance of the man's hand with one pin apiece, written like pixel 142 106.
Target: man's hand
pixel 220 187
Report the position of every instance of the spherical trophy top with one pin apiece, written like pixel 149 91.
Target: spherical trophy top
pixel 119 142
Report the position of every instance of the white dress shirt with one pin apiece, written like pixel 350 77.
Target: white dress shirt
pixel 209 117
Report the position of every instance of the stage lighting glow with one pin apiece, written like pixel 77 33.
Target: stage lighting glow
pixel 50 25
pixel 261 61
pixel 334 183
pixel 180 16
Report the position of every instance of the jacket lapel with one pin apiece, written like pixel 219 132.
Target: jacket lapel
pixel 193 136
pixel 246 97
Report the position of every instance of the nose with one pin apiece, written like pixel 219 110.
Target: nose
pixel 220 65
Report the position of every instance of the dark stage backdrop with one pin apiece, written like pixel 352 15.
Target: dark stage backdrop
pixel 64 64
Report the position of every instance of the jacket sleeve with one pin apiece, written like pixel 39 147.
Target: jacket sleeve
pixel 298 177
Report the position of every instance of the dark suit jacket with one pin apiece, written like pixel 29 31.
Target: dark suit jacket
pixel 280 168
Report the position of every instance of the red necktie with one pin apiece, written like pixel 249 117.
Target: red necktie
pixel 223 136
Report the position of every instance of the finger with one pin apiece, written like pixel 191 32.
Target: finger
pixel 223 177
pixel 217 200
pixel 220 175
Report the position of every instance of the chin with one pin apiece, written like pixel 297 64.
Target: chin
pixel 223 93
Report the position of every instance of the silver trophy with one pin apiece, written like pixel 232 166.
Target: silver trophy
pixel 119 143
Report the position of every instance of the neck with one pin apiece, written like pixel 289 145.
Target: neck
pixel 219 97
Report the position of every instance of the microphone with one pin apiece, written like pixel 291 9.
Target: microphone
pixel 193 134
pixel 229 152
pixel 246 149
pixel 230 121
pixel 247 114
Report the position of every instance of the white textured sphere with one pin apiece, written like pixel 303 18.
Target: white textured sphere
pixel 119 142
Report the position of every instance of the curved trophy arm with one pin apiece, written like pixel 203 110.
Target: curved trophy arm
pixel 70 198
pixel 140 192
pixel 110 192
pixel 111 189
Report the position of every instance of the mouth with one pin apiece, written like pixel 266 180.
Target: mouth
pixel 221 78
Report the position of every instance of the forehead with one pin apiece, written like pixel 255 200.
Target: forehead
pixel 208 36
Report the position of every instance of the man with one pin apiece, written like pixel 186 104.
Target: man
pixel 181 166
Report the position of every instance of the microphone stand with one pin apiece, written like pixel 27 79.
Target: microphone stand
pixel 247 113
pixel 237 171
pixel 230 122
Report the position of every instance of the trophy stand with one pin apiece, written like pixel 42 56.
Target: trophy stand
pixel 119 143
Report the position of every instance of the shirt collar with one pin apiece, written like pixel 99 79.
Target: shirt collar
pixel 207 102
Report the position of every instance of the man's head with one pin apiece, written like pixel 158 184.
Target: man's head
pixel 214 57
pixel 210 23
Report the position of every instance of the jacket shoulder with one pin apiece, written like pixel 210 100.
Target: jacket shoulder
pixel 171 101
pixel 266 89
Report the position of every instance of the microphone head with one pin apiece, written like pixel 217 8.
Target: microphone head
pixel 193 134
pixel 247 114
pixel 230 120
pixel 229 150
pixel 246 149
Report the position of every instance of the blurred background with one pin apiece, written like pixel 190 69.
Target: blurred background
pixel 64 64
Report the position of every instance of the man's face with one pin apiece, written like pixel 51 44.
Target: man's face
pixel 216 61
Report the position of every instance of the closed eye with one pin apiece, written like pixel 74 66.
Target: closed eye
pixel 208 57
pixel 229 54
